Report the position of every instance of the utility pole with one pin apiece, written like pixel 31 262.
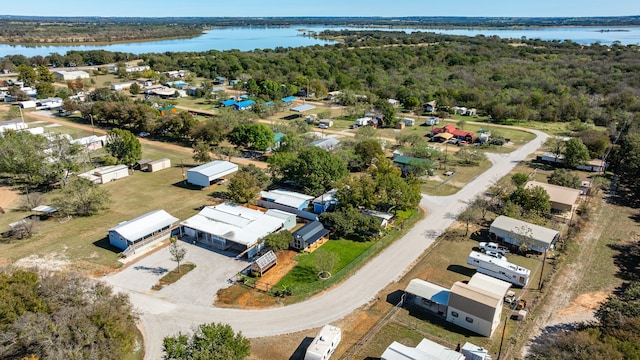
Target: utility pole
pixel 504 329
pixel 544 260
pixel 93 129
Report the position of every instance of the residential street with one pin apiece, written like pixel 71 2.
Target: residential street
pixel 160 318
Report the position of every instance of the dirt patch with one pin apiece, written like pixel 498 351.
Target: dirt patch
pixel 242 296
pixel 8 197
pixel 587 302
pixel 51 262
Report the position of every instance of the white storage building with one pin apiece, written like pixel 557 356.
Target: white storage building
pixel 203 175
pixel 425 350
pixel 70 75
pixel 105 174
pixel 15 125
pixel 157 165
pixel 153 226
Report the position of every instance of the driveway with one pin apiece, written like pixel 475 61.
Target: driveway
pixel 198 287
pixel 162 317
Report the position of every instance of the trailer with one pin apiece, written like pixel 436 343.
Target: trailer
pixel 499 268
pixel 324 344
pixel 364 121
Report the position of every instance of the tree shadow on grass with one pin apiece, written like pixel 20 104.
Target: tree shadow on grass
pixel 303 274
pixel 462 270
pixel 437 319
pixel 627 259
pixel 301 350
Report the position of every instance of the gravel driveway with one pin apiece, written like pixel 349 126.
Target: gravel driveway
pixel 161 317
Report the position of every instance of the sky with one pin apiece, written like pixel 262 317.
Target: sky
pixel 387 8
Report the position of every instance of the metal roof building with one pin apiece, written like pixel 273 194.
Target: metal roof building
pixel 152 226
pixel 303 108
pixel 229 225
pixel 425 350
pixel 562 198
pixel 308 235
pixel 514 231
pixel 203 175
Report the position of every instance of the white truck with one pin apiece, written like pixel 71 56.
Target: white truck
pixel 491 246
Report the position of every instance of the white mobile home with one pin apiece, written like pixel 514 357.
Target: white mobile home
pixel 432 121
pixel 364 121
pixel 203 175
pixel 150 227
pixel 425 350
pixel 29 104
pixel 106 174
pixel 157 165
pixel 15 125
pixel 521 233
pixel 324 344
pixel 499 268
pixel 121 86
pixel 49 103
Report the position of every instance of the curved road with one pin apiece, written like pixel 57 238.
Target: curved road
pixel 160 318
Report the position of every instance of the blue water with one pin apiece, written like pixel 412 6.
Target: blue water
pixel 250 38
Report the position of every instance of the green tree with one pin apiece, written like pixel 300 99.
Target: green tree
pixel 82 197
pixel 566 178
pixel 411 103
pixel 555 145
pixel 44 75
pixel 313 169
pixel 534 201
pixel 255 136
pixel 27 74
pixel 176 251
pixel 214 341
pixel 124 146
pixel 201 152
pixel 135 89
pixel 519 179
pixel 575 153
pixel 243 188
pixel 349 222
pixel 388 112
pixel 24 155
pixel 279 240
pixel 367 150
pixel 60 315
pixel 45 90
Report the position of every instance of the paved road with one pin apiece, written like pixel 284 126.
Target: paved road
pixel 160 318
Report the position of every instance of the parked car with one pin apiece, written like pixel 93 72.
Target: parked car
pixel 453 141
pixel 491 246
pixel 323 126
pixel 143 134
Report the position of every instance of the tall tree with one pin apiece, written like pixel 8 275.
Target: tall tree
pixel 564 177
pixel 367 150
pixel 575 153
pixel 243 187
pixel 215 341
pixel 313 169
pixel 124 146
pixel 201 152
pixel 279 240
pixel 27 74
pixel 82 197
pixel 255 136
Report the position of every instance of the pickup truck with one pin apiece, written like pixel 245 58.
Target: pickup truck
pixel 491 246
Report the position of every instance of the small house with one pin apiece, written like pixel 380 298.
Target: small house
pixel 150 227
pixel 327 144
pixel 244 105
pixel 204 175
pixel 432 121
pixel 409 121
pixel 289 201
pixel 563 199
pixel 157 165
pixel 593 165
pixel 518 233
pixel 326 122
pixel 324 344
pixel 264 263
pixel 228 102
pixel 144 82
pixel 310 235
pixel 393 102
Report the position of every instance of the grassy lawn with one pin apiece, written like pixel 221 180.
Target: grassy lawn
pixel 448 185
pixel 83 242
pixel 303 273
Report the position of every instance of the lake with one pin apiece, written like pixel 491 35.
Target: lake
pixel 250 38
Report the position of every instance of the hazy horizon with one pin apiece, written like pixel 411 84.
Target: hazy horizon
pixel 328 8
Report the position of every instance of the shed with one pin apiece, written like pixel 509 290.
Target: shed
pixel 303 108
pixel 158 165
pixel 152 226
pixel 514 231
pixel 409 121
pixel 203 175
pixel 106 174
pixel 308 235
pixel 325 202
pixel 288 100
pixel 264 263
pixel 563 199
pixel 428 295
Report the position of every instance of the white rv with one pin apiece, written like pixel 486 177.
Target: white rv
pixel 499 268
pixel 324 344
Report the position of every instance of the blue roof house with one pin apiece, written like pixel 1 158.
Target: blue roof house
pixel 288 100
pixel 228 103
pixel 243 105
